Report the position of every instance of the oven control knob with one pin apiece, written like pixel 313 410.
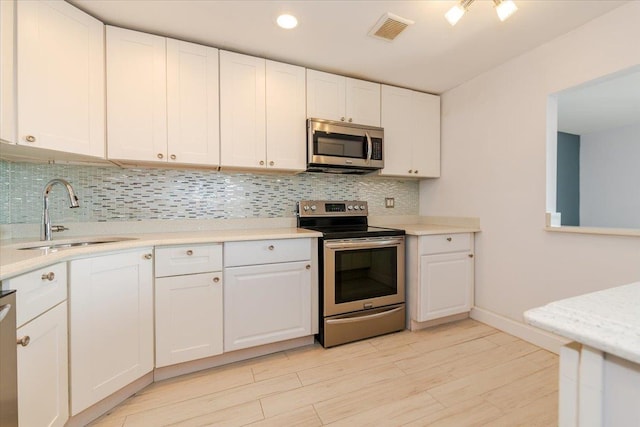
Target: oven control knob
pixel 306 207
pixel 313 207
pixel 356 207
pixel 361 207
pixel 350 207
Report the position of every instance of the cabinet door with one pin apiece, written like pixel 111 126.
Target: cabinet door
pixel 60 78
pixel 136 96
pixel 446 285
pixel 325 96
pixel 7 72
pixel 363 102
pixel 266 303
pixel 426 141
pixel 242 111
pixel 110 324
pixel 286 114
pixel 188 318
pixel 192 104
pixel 397 121
pixel 42 370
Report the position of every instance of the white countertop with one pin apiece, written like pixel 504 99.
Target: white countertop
pixel 14 261
pixel 608 320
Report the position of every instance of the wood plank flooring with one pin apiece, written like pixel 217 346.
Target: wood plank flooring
pixel 460 374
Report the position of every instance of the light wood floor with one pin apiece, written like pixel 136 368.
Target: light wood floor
pixel 460 374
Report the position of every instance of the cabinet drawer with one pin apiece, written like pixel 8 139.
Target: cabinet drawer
pixel 266 252
pixel 188 259
pixel 443 243
pixel 38 291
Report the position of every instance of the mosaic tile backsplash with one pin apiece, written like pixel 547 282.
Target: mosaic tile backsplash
pixel 136 194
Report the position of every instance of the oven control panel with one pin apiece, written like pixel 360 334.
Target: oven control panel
pixel 332 208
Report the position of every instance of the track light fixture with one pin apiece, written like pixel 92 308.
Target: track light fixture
pixel 504 9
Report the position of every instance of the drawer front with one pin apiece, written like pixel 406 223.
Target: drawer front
pixel 443 243
pixel 38 291
pixel 188 259
pixel 266 252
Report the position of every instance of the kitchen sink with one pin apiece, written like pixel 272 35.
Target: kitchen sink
pixel 48 245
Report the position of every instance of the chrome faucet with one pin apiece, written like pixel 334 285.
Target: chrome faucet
pixel 45 233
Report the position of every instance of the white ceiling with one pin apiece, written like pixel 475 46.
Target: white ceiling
pixel 430 55
pixel 608 103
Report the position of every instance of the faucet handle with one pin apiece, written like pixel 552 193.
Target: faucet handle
pixel 56 228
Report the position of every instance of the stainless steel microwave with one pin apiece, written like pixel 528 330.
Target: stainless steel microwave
pixel 338 147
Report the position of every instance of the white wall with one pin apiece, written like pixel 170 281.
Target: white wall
pixel 610 178
pixel 493 167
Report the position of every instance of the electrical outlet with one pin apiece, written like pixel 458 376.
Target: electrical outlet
pixel 389 202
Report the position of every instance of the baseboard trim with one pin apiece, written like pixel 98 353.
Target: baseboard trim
pixel 521 330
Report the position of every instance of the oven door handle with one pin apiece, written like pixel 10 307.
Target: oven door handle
pixel 363 317
pixel 359 245
pixel 369 146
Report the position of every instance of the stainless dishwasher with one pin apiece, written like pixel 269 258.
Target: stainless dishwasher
pixel 8 378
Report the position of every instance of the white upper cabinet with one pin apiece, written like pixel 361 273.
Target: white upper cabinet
pixel 242 110
pixel 60 75
pixel 286 118
pixel 192 103
pixel 411 122
pixel 136 95
pixel 262 114
pixel 162 99
pixel 7 72
pixel 339 98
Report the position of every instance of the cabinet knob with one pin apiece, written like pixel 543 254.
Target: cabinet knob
pixel 415 171
pixel 342 119
pixel 271 247
pixel 148 256
pixel 173 157
pixel 216 279
pixel 271 163
pixel 30 138
pixel 160 155
pixel 24 341
pixel 410 170
pixel 308 267
pixel 470 255
pixel 261 162
pixel 448 239
pixel 49 276
pixel 189 252
pixel 350 119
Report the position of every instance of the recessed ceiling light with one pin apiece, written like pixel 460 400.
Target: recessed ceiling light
pixel 287 21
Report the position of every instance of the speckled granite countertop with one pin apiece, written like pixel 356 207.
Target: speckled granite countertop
pixel 608 320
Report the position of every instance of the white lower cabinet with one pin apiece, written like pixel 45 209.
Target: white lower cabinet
pixel 266 303
pixel 110 324
pixel 440 274
pixel 42 370
pixel 188 305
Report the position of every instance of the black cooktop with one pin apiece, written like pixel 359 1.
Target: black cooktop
pixel 350 232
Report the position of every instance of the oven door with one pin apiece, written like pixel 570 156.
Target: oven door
pixel 363 273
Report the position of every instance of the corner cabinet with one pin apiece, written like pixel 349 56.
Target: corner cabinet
pixel 188 303
pixel 110 324
pixel 268 296
pixel 411 122
pixel 56 101
pixel 440 273
pixel 162 100
pixel 339 98
pixel 262 114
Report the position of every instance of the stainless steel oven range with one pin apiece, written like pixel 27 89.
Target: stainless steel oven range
pixel 362 291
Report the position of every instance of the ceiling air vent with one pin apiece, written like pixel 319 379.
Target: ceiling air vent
pixel 389 26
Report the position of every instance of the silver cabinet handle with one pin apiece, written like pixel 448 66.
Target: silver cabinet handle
pixel 448 239
pixel 369 146
pixel 261 162
pixel 189 252
pixel 342 119
pixel 30 138
pixel 416 171
pixel 271 163
pixel 216 279
pixel 410 170
pixel 271 247
pixel 160 155
pixel 24 341
pixel 350 119
pixel 173 157
pixel 470 255
pixel 308 267
pixel 148 256
pixel 49 276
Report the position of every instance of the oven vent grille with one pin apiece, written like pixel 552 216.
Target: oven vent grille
pixel 389 26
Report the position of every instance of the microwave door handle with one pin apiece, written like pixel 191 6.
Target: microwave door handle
pixel 369 146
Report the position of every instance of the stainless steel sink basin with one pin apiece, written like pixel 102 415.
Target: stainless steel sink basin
pixel 45 245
